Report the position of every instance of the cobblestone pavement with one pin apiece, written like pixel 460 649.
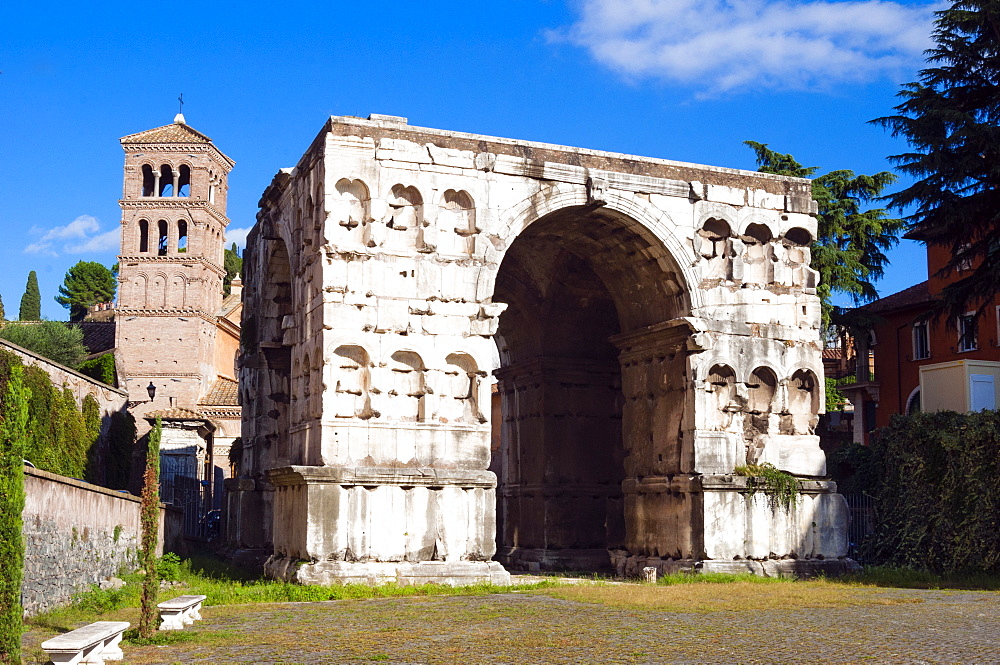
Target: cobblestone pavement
pixel 927 627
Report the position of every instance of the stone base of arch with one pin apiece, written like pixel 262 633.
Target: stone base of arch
pixel 403 573
pixel 372 525
pixel 713 523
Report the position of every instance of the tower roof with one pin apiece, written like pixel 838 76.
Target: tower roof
pixel 176 132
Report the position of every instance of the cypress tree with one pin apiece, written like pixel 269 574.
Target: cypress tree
pixel 150 523
pixel 3 315
pixel 31 301
pixel 13 424
pixel 951 119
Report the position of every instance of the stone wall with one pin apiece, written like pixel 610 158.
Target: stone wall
pixel 77 534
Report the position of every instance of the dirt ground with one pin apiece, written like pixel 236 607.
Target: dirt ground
pixel 877 626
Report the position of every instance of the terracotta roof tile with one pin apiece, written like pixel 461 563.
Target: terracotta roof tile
pixel 175 413
pixel 918 294
pixel 98 336
pixel 224 392
pixel 172 133
pixel 835 353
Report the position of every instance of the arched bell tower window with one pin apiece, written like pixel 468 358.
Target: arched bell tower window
pixel 161 245
pixel 143 236
pixel 182 236
pixel 184 181
pixel 166 181
pixel 148 184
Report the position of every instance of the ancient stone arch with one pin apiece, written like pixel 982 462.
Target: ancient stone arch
pixel 649 344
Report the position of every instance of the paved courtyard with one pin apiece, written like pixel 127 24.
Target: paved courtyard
pixel 896 626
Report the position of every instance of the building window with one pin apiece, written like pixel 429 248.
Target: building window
pixel 967 332
pixel 921 346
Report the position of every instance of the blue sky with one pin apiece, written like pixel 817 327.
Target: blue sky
pixel 680 79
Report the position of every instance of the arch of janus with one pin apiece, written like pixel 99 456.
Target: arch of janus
pixel 650 325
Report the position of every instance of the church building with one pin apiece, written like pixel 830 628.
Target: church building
pixel 176 336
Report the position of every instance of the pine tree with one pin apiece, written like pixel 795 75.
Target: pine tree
pixel 950 118
pixel 850 246
pixel 31 301
pixel 86 284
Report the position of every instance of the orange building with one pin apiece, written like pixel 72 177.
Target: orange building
pixel 933 365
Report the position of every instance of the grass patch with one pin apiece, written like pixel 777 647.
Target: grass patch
pixel 225 585
pixel 719 595
pixel 911 578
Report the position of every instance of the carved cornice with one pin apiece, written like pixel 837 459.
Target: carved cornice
pixel 171 260
pixel 122 314
pixel 180 147
pixel 374 476
pixel 169 202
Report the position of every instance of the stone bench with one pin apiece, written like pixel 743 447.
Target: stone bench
pixel 180 611
pixel 94 643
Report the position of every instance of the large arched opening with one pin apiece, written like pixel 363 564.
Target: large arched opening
pixel 576 419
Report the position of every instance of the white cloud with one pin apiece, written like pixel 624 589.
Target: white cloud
pixel 237 235
pixel 103 242
pixel 719 46
pixel 81 236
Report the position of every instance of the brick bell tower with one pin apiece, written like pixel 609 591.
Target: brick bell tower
pixel 170 265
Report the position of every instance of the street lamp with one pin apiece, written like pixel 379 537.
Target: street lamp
pixel 151 389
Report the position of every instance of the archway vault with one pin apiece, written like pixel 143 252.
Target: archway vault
pixel 577 424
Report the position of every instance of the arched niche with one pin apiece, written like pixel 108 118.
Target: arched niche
pixel 713 244
pixel 351 382
pixel 457 222
pixel 803 402
pixel 407 388
pixel 353 206
pixel 762 386
pixel 721 382
pixel 460 392
pixel 758 268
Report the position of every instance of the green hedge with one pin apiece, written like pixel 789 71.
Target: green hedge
pixel 101 368
pixel 13 420
pixel 936 483
pixel 61 437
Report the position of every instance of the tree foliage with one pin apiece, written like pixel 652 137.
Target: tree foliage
pixel 850 246
pixel 101 368
pixel 233 265
pixel 13 429
pixel 150 518
pixel 86 284
pixel 31 301
pixel 3 314
pixel 950 119
pixel 54 340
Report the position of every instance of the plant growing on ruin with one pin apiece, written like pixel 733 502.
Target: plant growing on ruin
pixel 150 512
pixel 780 487
pixel 13 422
